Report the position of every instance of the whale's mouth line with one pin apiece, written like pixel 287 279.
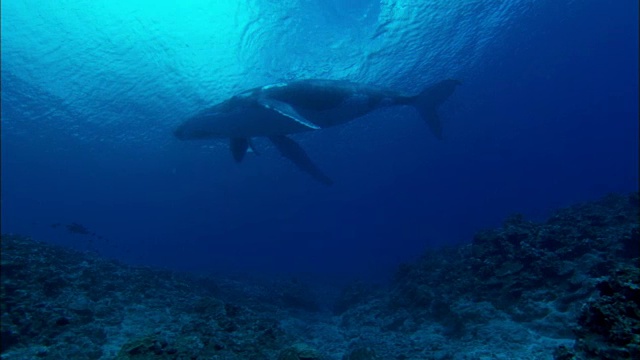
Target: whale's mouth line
pixel 178 133
pixel 181 133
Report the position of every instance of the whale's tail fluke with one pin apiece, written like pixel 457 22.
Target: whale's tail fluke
pixel 430 99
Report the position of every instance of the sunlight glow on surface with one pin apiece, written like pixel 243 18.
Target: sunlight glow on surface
pixel 150 64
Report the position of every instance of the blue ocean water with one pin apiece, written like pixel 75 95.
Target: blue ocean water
pixel 92 91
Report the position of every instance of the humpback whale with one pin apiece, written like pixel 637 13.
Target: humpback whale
pixel 277 110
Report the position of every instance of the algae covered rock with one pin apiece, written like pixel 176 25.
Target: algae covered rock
pixel 148 347
pixel 300 351
pixel 609 327
pixel 352 295
pixel 363 353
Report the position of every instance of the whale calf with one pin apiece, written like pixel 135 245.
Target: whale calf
pixel 277 110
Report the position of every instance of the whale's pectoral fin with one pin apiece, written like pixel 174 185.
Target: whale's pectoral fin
pixel 294 152
pixel 432 119
pixel 287 110
pixel 238 148
pixel 252 147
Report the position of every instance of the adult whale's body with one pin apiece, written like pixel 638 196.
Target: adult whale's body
pixel 277 110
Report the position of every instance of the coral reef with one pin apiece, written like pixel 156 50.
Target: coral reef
pixel 77 306
pixel 300 351
pixel 609 326
pixel 567 288
pixel 527 269
pixel 524 274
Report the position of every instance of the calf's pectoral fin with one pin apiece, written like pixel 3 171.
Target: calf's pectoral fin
pixel 238 148
pixel 294 152
pixel 432 119
pixel 287 110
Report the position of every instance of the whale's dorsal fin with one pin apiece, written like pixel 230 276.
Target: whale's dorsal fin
pixel 287 110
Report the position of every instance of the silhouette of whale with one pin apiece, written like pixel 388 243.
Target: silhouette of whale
pixel 276 110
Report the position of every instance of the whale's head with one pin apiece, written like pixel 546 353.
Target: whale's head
pixel 186 131
pixel 213 122
pixel 199 126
